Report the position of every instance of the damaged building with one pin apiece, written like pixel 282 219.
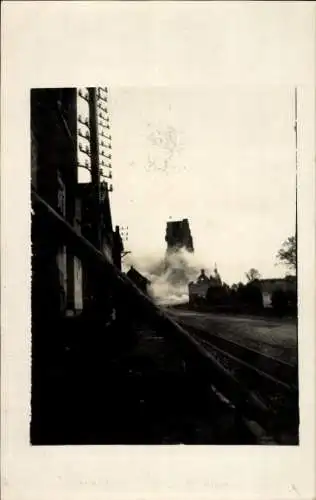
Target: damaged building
pixel 178 236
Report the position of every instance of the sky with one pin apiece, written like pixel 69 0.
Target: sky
pixel 222 157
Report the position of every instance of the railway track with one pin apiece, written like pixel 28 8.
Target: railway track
pixel 280 372
pixel 273 382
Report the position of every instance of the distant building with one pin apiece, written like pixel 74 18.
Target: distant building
pixel 216 279
pixel 178 236
pixel 203 278
pixel 198 290
pixel 138 279
pixel 268 286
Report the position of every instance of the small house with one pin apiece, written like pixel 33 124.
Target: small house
pixel 138 279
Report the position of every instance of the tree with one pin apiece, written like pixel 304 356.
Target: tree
pixel 253 275
pixel 287 253
pixel 216 295
pixel 249 297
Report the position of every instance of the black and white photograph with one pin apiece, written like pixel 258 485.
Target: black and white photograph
pixel 164 287
pixel 158 247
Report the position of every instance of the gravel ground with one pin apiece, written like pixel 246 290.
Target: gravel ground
pixel 276 338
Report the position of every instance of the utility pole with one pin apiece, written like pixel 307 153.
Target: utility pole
pixel 95 165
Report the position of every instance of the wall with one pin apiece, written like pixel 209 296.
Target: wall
pixel 54 176
pixel 78 272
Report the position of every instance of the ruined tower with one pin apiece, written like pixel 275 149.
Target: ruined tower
pixel 178 236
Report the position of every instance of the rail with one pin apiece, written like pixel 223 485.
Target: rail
pixel 261 374
pixel 282 373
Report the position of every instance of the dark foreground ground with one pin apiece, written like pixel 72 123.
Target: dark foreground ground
pixel 132 387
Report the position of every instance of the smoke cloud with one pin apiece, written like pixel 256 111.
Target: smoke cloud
pixel 169 276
